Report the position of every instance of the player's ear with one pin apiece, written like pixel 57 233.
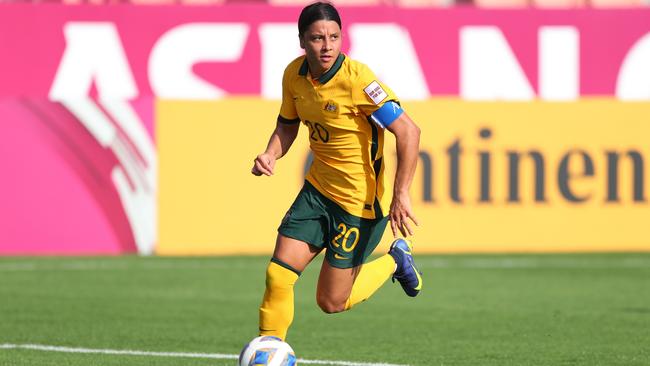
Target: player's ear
pixel 302 42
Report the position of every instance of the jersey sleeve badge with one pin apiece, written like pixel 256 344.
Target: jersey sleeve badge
pixel 376 93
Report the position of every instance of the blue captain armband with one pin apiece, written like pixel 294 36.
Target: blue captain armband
pixel 387 114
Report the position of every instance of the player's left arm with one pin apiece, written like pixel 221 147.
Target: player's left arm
pixel 407 139
pixel 381 105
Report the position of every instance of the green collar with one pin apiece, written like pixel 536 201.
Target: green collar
pixel 304 68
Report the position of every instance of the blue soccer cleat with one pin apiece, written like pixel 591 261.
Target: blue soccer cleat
pixel 406 273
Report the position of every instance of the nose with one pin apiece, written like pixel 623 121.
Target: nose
pixel 327 44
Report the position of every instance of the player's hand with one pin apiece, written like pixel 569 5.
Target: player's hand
pixel 263 164
pixel 400 214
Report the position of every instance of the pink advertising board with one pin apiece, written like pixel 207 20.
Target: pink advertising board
pixel 77 85
pixel 33 41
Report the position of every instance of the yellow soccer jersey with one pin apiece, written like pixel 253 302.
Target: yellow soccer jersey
pixel 348 165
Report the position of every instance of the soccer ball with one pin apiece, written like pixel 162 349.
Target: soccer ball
pixel 267 351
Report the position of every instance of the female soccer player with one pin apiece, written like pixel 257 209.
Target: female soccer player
pixel 346 110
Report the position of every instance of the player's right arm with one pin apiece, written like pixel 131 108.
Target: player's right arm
pixel 279 143
pixel 285 131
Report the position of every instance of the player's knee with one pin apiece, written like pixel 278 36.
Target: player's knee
pixel 329 305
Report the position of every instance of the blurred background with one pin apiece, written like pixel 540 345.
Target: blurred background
pixel 130 126
pixel 434 4
pixel 132 232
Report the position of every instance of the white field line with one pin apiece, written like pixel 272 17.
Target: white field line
pixel 432 263
pixel 219 356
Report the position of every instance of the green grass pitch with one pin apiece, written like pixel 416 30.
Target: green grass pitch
pixel 501 310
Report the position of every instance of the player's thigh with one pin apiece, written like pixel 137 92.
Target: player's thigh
pixel 350 241
pixel 296 253
pixel 335 284
pixel 302 232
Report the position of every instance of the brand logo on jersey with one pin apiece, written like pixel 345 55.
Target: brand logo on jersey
pixel 375 92
pixel 331 107
pixel 337 256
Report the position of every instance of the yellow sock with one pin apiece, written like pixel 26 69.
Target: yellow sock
pixel 370 279
pixel 276 311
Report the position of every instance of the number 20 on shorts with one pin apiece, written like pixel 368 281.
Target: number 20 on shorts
pixel 343 238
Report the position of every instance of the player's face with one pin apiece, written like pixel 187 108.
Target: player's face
pixel 322 44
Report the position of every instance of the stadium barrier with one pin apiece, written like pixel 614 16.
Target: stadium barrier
pixel 492 177
pixel 120 137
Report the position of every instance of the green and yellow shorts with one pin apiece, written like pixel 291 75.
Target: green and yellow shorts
pixel 349 240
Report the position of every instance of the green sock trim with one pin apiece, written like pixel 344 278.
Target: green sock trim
pixel 282 264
